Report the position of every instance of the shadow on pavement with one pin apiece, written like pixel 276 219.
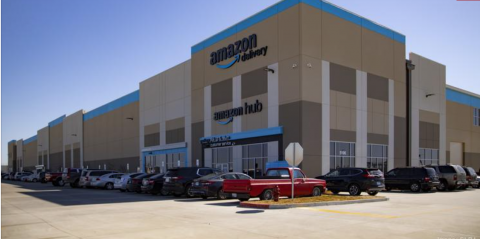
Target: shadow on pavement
pixel 225 204
pixel 67 196
pixel 250 211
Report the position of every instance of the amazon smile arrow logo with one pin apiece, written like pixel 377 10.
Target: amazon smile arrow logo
pixel 236 58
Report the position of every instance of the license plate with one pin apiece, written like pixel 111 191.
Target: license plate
pixel 167 180
pixel 197 184
pixel 234 195
pixel 379 183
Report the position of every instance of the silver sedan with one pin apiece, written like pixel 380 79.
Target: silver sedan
pixel 121 183
pixel 106 181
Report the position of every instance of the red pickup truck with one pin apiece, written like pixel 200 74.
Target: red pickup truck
pixel 55 178
pixel 264 187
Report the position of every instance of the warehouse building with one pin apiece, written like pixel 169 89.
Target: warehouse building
pixel 302 71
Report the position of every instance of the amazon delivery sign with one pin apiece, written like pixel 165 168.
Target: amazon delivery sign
pixel 242 50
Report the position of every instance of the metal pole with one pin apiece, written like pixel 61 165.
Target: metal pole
pixel 293 171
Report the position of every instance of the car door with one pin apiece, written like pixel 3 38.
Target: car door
pixel 332 180
pixel 343 179
pixel 391 178
pixel 301 185
pixel 404 177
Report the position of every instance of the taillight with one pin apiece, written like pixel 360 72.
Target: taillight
pixel 151 182
pixel 177 178
pixel 469 177
pixel 367 175
pixel 455 177
pixel 86 178
pixel 98 179
pixel 426 179
pixel 206 183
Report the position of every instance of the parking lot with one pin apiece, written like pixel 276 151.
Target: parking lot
pixel 34 210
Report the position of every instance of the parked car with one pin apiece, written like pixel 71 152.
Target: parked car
pixel 153 185
pixel 135 184
pixel 244 189
pixel 178 181
pixel 478 181
pixel 121 183
pixel 355 181
pixel 55 179
pixel 212 185
pixel 471 177
pixel 42 177
pixel 91 175
pixel 32 178
pixel 71 176
pixel 105 181
pixel 5 175
pixel 24 177
pixel 11 176
pixel 451 177
pixel 413 179
pixel 19 176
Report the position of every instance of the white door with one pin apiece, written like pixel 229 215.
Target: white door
pixel 456 153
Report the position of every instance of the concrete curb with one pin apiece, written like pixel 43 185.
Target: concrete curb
pixel 312 204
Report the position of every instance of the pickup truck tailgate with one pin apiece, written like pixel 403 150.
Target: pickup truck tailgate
pixel 236 186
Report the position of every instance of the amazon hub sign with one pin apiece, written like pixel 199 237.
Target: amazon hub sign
pixel 242 50
pixel 226 116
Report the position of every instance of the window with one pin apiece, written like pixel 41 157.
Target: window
pixel 222 158
pixel 476 116
pixel 332 174
pixel 447 169
pixel 342 155
pixel 298 174
pixel 428 156
pixel 377 156
pixel 254 159
pixel 242 176
pixel 278 173
pixel 228 176
pixel 204 171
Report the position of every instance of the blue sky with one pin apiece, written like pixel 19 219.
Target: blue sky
pixel 62 56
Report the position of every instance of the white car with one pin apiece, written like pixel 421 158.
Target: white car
pixel 121 183
pixel 105 181
pixel 31 178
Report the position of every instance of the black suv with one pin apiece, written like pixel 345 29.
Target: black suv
pixel 153 185
pixel 413 179
pixel 355 181
pixel 178 181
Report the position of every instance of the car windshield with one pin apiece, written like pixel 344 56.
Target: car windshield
pixel 460 169
pixel 208 177
pixel 446 169
pixel 278 173
pixel 472 171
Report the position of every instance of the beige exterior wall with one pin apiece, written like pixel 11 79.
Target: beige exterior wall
pixel 428 108
pixel 43 146
pixel 166 101
pixel 12 156
pixel 31 158
pixel 56 156
pixel 73 139
pixel 460 129
pixel 111 139
pixel 20 155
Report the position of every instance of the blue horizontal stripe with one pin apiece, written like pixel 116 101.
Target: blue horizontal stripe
pixel 29 140
pixel 56 121
pixel 250 134
pixel 165 151
pixel 286 4
pixel 118 103
pixel 462 98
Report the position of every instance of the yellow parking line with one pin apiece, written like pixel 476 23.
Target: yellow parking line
pixel 364 214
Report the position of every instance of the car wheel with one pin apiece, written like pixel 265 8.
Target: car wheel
pixel 415 187
pixel 221 195
pixel 163 192
pixel 267 195
pixel 243 199
pixel 316 192
pixel 188 191
pixel 442 186
pixel 204 197
pixel 354 190
pixel 334 192
pixel 109 186
pixel 55 184
pixel 61 183
pixel 372 193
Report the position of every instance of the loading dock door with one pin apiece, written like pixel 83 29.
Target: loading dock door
pixel 456 153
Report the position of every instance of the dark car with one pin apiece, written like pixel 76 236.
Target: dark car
pixel 212 185
pixel 41 177
pixel 471 177
pixel 413 179
pixel 153 185
pixel 135 184
pixel 72 176
pixel 355 181
pixel 178 181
